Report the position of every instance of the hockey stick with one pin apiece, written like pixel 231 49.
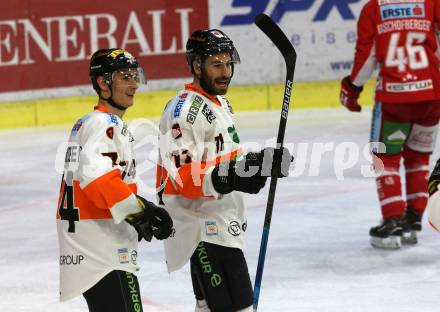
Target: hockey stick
pixel 271 29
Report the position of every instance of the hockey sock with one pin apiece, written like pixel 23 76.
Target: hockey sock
pixel 389 187
pixel 416 172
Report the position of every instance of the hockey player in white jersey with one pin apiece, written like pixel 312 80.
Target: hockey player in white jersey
pixel 99 216
pixel 202 174
pixel 433 206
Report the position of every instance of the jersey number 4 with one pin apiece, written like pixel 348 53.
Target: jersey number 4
pixel 412 54
pixel 66 209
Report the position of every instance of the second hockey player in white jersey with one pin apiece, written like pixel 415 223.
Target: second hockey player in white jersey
pixel 203 173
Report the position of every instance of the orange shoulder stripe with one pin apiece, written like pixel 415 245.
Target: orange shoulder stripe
pixel 87 207
pixel 107 190
pixel 193 87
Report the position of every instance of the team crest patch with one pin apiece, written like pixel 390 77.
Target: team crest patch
pixel 234 228
pixel 110 132
pixel 217 34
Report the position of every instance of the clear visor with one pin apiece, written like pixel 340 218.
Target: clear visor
pixel 130 75
pixel 222 59
pixel 235 57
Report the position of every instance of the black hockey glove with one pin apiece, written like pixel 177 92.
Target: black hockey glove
pixel 249 175
pixel 434 179
pixel 152 221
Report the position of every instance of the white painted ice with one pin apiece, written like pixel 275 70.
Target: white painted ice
pixel 318 258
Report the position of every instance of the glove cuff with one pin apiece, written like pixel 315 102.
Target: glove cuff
pixel 353 87
pixel 222 177
pixel 147 209
pixel 433 187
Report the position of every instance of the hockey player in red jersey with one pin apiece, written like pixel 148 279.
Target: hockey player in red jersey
pixel 100 218
pixel 399 37
pixel 203 173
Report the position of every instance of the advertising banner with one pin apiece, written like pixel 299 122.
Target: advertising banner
pixel 322 31
pixel 46 44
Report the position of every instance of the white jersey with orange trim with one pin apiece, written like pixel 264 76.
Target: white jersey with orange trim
pixel 97 193
pixel 196 132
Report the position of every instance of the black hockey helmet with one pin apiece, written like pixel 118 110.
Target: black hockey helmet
pixel 204 43
pixel 106 61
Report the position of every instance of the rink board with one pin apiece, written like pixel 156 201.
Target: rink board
pixel 61 111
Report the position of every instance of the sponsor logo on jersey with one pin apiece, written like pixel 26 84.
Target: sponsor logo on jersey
pixel 229 106
pixel 234 228
pixel 178 108
pixel 244 226
pixel 402 10
pixel 176 132
pixel 211 228
pixel 123 256
pixel 113 119
pixel 194 109
pixel 134 255
pixel 409 86
pixel 233 134
pixel 383 2
pixel 77 126
pixel 207 112
pixel 405 24
pixel 71 259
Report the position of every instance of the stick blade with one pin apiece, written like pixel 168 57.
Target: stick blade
pixel 277 36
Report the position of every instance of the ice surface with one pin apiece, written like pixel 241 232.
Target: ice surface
pixel 318 257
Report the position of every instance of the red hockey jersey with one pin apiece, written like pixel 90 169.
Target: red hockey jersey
pixel 399 36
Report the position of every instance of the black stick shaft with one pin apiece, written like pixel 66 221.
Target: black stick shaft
pixel 283 44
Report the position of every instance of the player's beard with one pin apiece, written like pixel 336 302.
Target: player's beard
pixel 208 84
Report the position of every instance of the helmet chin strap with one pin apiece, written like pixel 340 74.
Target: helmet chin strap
pixel 113 103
